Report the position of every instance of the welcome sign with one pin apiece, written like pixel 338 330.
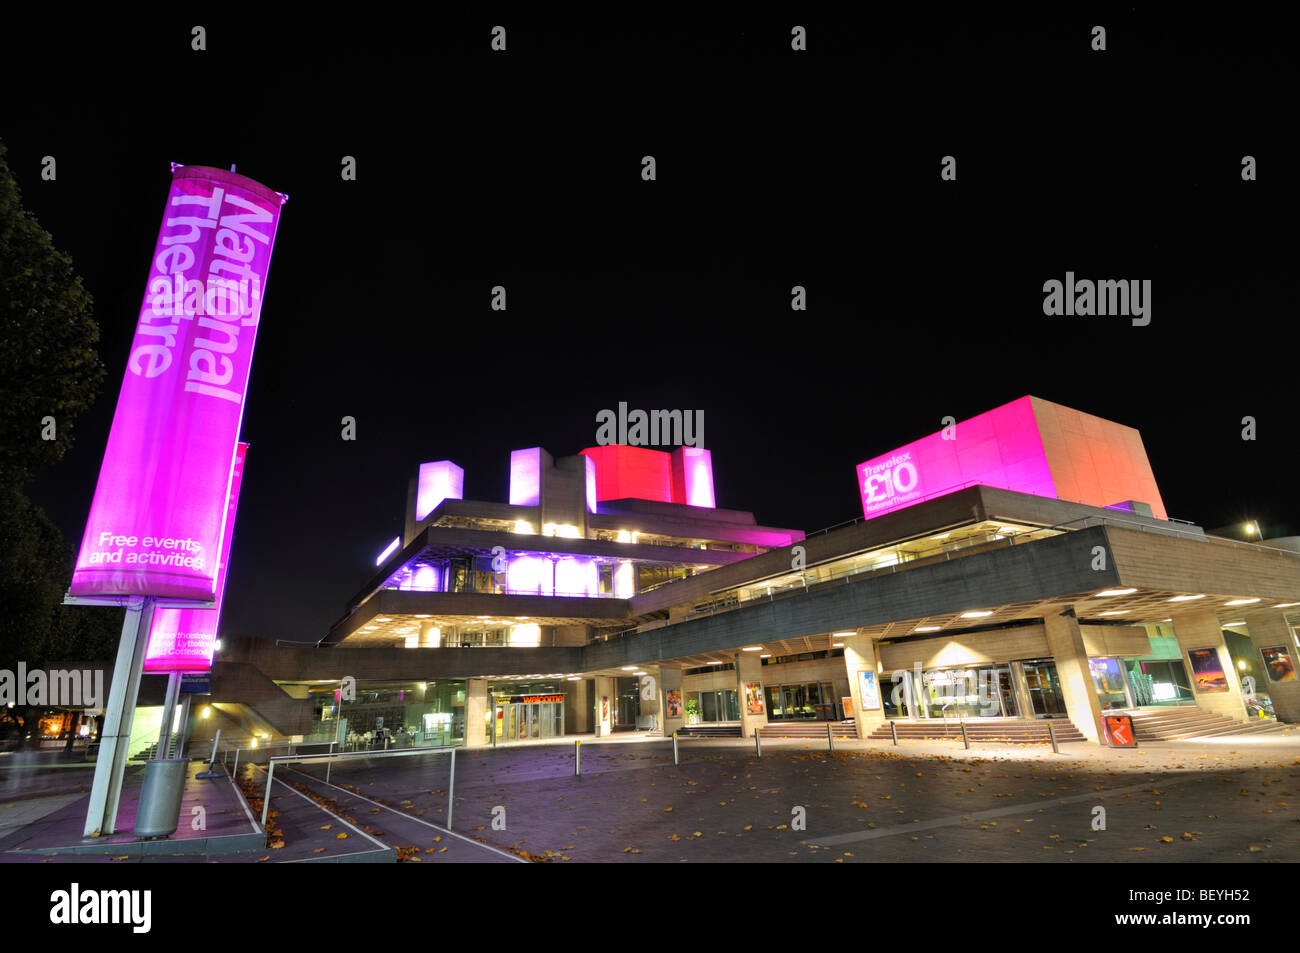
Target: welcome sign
pixel 157 521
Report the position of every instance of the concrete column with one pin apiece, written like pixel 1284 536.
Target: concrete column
pixel 749 670
pixel 648 689
pixel 670 679
pixel 476 708
pixel 1267 633
pixel 1065 642
pixel 1201 630
pixel 859 657
pixel 603 704
pixel 577 707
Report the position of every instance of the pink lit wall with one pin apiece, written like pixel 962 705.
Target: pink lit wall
pixel 693 476
pixel 438 481
pixel 155 522
pixel 1030 446
pixel 183 640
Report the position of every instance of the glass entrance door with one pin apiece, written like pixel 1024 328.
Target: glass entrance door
pixel 1044 687
pixel 1006 691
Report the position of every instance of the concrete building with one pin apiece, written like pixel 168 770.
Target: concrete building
pixel 1014 570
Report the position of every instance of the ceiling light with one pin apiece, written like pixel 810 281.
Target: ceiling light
pixel 976 613
pixel 1187 598
pixel 927 628
pixel 1114 612
pixel 752 648
pixel 1241 602
pixel 1115 592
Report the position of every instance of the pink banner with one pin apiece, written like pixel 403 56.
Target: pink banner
pixel 183 640
pixel 155 525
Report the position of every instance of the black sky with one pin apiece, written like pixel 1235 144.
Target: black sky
pixel 774 169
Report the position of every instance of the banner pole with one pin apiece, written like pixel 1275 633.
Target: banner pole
pixel 169 714
pixel 119 712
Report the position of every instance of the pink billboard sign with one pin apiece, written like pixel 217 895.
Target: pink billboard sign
pixel 1000 448
pixel 183 640
pixel 155 524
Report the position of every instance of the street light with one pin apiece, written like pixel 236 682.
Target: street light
pixel 1253 527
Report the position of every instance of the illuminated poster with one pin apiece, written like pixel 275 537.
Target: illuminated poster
pixel 1029 446
pixel 869 691
pixel 754 698
pixel 156 522
pixel 1277 660
pixel 674 698
pixel 1207 672
pixel 604 708
pixel 183 640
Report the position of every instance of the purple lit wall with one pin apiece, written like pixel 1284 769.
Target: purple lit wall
pixel 999 448
pixel 526 477
pixel 438 481
pixel 183 640
pixel 693 476
pixel 155 524
pixel 540 575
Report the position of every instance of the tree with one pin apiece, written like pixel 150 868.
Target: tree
pixel 49 367
pixel 49 362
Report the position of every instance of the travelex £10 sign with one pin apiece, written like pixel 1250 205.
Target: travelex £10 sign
pixel 161 504
pixel 1002 447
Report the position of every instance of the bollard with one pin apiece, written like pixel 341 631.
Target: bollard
pixel 830 739
pixel 963 735
pixel 674 747
pixel 451 787
pixel 211 772
pixel 1051 733
pixel 577 758
pixel 893 730
pixel 758 745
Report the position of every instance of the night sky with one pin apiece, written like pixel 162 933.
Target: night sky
pixel 774 168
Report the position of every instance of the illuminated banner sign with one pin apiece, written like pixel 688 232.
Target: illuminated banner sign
pixel 183 640
pixel 155 525
pixel 1029 446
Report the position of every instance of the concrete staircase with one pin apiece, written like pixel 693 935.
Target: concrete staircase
pixel 1006 730
pixel 811 730
pixel 1191 721
pixel 710 731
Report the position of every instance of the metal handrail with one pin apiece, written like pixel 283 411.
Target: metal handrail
pixel 954 487
pixel 344 755
pixel 1082 522
pixel 271 744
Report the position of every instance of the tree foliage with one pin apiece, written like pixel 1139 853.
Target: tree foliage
pixel 49 359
